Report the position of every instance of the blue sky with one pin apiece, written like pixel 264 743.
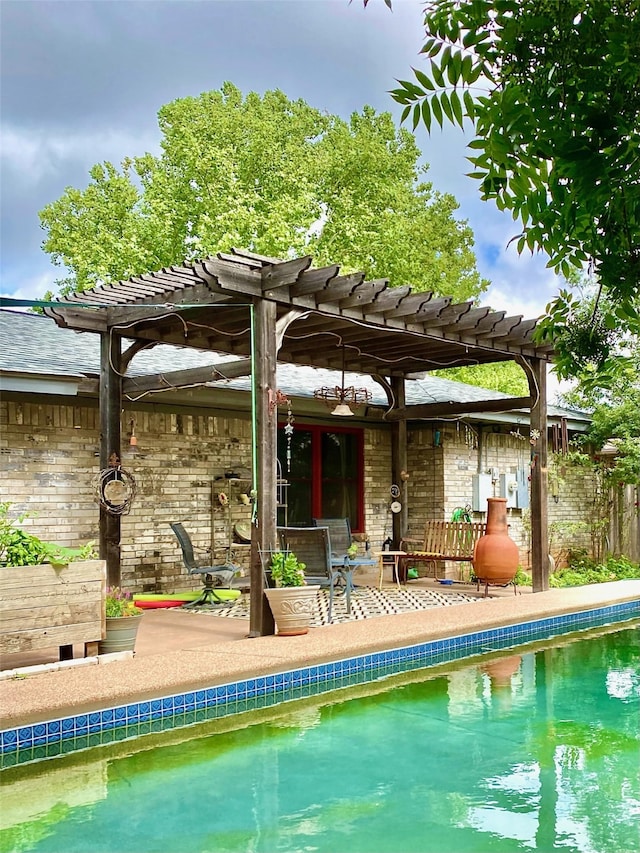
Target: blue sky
pixel 83 81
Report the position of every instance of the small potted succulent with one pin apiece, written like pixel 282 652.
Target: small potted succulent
pixel 122 622
pixel 291 599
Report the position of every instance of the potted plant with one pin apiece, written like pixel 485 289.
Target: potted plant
pixel 122 622
pixel 291 598
pixel 286 569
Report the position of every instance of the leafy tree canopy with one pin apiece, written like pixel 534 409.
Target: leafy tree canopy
pixel 507 377
pixel 274 176
pixel 616 412
pixel 552 89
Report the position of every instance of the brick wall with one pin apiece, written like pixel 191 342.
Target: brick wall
pixel 377 482
pixel 577 508
pixel 441 475
pixel 49 460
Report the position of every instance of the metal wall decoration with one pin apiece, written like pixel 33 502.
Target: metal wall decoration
pixel 288 431
pixel 114 490
pixel 278 398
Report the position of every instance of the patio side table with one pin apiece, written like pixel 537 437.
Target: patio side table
pixel 392 558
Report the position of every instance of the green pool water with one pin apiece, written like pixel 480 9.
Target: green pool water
pixel 534 751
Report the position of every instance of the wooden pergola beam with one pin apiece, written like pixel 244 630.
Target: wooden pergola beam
pixel 447 409
pixel 134 386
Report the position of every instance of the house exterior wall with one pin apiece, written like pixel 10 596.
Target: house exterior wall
pixel 50 460
pixel 441 478
pixel 573 517
pixel 377 482
pixel 49 456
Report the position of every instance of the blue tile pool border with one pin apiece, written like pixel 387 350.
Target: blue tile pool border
pixel 44 740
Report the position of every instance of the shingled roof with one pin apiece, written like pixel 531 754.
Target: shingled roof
pixel 33 345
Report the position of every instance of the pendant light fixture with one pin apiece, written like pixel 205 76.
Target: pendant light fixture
pixel 341 399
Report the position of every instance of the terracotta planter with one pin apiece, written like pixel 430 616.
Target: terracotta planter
pixel 120 635
pixel 500 671
pixel 292 608
pixel 496 557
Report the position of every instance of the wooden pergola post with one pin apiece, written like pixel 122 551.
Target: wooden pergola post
pixel 537 376
pixel 263 532
pixel 399 461
pixel 110 450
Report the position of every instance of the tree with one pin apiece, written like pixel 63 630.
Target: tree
pixel 615 414
pixel 272 175
pixel 507 377
pixel 552 89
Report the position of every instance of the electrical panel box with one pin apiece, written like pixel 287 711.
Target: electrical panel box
pixel 509 489
pixel 481 490
pixel 522 479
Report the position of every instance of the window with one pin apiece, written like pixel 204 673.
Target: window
pixel 326 475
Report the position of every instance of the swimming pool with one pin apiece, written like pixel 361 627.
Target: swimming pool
pixel 536 750
pixel 80 731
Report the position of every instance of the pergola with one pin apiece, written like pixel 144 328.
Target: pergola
pixel 264 310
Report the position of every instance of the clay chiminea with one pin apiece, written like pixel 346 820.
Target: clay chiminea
pixel 501 670
pixel 496 557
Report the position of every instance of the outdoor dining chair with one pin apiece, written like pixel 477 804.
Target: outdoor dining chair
pixel 213 576
pixel 341 540
pixel 311 545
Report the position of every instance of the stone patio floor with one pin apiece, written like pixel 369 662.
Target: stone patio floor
pixel 179 650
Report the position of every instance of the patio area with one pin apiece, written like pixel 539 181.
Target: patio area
pixel 170 629
pixel 180 650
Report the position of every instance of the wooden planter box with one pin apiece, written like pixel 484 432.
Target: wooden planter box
pixel 46 605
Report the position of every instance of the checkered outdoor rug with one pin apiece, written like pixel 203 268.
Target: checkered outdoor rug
pixel 366 602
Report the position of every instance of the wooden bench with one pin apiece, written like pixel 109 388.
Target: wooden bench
pixel 442 540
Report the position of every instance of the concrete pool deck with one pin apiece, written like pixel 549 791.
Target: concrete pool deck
pixel 178 651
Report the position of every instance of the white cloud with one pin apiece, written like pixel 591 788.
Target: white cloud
pixel 36 155
pixel 32 287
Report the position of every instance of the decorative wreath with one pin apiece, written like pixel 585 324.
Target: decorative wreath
pixel 115 490
pixel 223 500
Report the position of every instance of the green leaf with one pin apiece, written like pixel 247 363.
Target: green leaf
pixel 426 47
pixel 436 73
pixel 456 106
pixel 470 38
pixel 469 104
pixel 424 79
pixel 426 114
pixel 436 109
pixel 446 106
pixel 454 68
pixel 411 89
pixel 465 68
pixel 416 116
